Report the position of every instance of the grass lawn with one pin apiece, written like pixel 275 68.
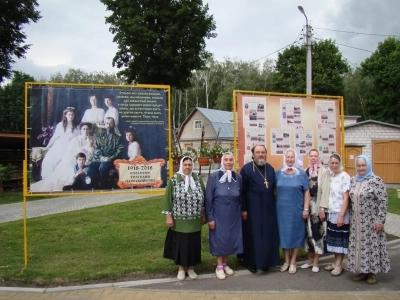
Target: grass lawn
pixel 102 242
pixel 16 197
pixel 394 202
pixel 106 242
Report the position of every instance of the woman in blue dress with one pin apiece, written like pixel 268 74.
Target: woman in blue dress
pixel 292 208
pixel 223 207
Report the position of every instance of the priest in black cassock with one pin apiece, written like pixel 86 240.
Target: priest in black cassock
pixel 260 227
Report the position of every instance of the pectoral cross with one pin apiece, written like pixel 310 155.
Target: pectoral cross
pixel 266 183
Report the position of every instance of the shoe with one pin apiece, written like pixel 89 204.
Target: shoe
pixel 371 278
pixel 336 271
pixel 329 267
pixel 284 267
pixel 181 275
pixel 292 269
pixel 315 269
pixel 228 271
pixel 220 274
pixel 252 269
pixel 360 277
pixel 305 266
pixel 192 274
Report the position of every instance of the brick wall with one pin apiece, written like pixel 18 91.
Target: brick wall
pixel 366 133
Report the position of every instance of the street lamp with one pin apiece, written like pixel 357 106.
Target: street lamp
pixel 309 56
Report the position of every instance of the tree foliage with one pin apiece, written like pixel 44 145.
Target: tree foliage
pixel 328 69
pixel 383 68
pixel 14 14
pixel 160 42
pixel 80 76
pixel 12 103
pixel 357 90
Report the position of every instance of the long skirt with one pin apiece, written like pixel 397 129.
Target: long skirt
pixel 337 238
pixel 315 230
pixel 183 248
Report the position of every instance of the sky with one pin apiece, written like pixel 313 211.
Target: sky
pixel 73 33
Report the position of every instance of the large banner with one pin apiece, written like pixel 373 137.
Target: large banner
pixel 86 138
pixel 279 123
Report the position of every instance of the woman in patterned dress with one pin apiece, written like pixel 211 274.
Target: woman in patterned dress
pixel 318 177
pixel 367 246
pixel 337 235
pixel 185 215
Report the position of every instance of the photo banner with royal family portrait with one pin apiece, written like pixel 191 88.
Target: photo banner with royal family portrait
pixel 96 138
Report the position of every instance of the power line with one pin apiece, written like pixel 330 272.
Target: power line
pixel 296 40
pixel 353 32
pixel 321 38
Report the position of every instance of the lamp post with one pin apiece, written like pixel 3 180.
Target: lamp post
pixel 309 55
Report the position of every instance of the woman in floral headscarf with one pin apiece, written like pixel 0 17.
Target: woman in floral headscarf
pixel 223 206
pixel 367 244
pixel 318 177
pixel 185 215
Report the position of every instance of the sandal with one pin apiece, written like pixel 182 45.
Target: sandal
pixel 284 267
pixel 336 271
pixel 329 267
pixel 292 269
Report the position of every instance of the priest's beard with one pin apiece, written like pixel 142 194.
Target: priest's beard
pixel 260 162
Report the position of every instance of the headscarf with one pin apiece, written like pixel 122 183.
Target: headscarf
pixel 369 172
pixel 227 173
pixel 188 178
pixel 296 165
pixel 340 162
pixel 313 168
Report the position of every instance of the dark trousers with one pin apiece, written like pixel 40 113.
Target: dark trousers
pixel 99 172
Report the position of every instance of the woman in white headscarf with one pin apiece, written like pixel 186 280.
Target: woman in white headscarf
pixel 185 215
pixel 292 208
pixel 223 207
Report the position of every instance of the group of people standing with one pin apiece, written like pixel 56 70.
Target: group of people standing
pixel 80 156
pixel 253 213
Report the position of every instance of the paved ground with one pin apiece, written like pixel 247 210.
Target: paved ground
pixel 244 285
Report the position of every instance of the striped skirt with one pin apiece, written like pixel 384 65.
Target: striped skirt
pixel 337 238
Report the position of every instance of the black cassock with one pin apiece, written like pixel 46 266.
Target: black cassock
pixel 260 231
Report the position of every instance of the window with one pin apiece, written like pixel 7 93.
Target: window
pixel 197 124
pixel 188 146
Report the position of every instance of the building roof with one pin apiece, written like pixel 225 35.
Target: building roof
pixel 218 118
pixel 372 122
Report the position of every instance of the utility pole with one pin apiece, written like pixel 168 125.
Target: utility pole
pixel 309 54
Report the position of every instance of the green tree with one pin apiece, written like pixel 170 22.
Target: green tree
pixel 242 75
pixel 12 103
pixel 357 90
pixel 160 42
pixel 383 67
pixel 14 14
pixel 328 69
pixel 80 76
pixel 6 173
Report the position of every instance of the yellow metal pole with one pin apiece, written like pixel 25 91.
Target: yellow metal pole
pixel 342 148
pixel 25 185
pixel 25 177
pixel 170 164
pixel 235 150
